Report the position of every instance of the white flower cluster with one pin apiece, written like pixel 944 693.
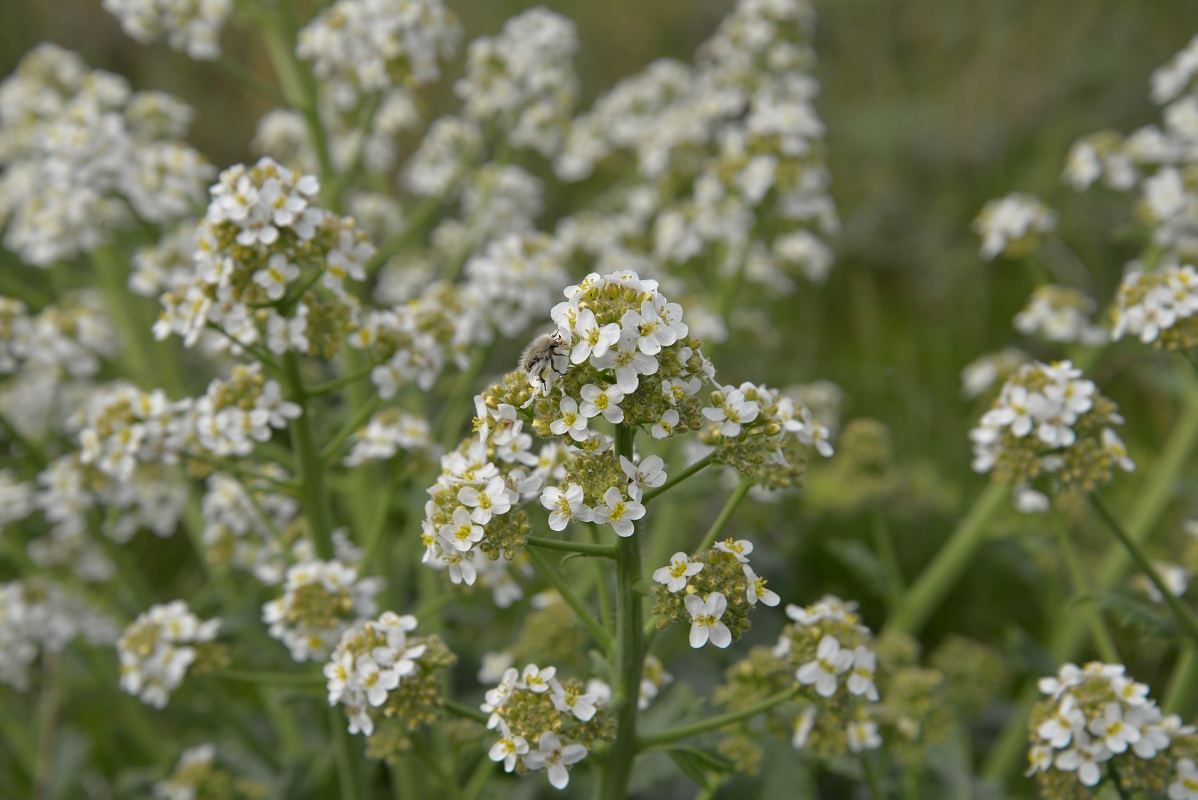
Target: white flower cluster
pixel 505 285
pixel 729 152
pixel 474 508
pixel 516 745
pixel 320 601
pixel 167 265
pixel 195 764
pixel 125 426
pixel 243 523
pixel 836 659
pixel 388 432
pixel 39 617
pixel 523 81
pixel 1048 420
pixel 1012 225
pixel 362 46
pixel 1157 306
pixel 621 505
pixel 80 151
pixel 260 232
pixel 1156 159
pixel 233 414
pixel 1094 714
pixel 370 661
pixel 1061 314
pixel 157 649
pixel 191 26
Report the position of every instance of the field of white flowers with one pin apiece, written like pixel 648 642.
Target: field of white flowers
pixel 761 398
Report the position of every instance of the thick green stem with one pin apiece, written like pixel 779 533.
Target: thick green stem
pixel 466 712
pixel 1069 632
pixel 1102 637
pixel 629 659
pixel 546 570
pixel 1183 684
pixel 349 776
pixel 307 460
pixel 716 722
pixel 356 423
pixel 939 577
pixel 1183 616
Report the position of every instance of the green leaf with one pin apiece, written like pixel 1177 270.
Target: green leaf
pixel 1134 613
pixel 698 764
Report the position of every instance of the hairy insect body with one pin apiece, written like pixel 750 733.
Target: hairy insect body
pixel 546 356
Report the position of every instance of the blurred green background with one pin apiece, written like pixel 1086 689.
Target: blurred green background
pixel 932 108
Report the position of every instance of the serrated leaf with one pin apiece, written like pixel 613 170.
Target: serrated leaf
pixel 698 764
pixel 1134 613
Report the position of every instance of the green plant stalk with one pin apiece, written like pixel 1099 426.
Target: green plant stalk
pixel 356 422
pixel 579 548
pixel 872 778
pixel 1185 618
pixel 299 87
pixel 268 678
pixel 1183 684
pixel 1102 637
pixel 478 778
pixel 698 466
pixel 628 661
pixel 47 727
pixel 1069 632
pixel 546 570
pixel 315 498
pixel 349 776
pixel 939 577
pixel 466 712
pixel 726 513
pixel 885 547
pixel 715 723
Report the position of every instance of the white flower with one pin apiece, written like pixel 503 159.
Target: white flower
pixel 492 500
pixel 1084 758
pixel 1058 729
pixel 705 620
pixel 628 363
pixel 592 339
pixel 462 533
pixel 618 511
pixel 674 576
pixel 507 426
pixel 508 749
pixel 739 548
pixel 538 680
pixel 580 704
pixel 863 735
pixel 734 412
pixel 830 661
pixel 649 474
pixel 571 421
pixel 665 426
pixel 374 681
pixel 565 506
pixel 757 589
pixel 1186 785
pixel 596 401
pixel 550 754
pixel 1113 730
pixel 861 678
pixel 803 727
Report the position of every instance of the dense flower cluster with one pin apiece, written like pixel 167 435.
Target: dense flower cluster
pixel 247 525
pixel 545 723
pixel 1098 724
pixel 386 434
pixel 1013 225
pixel 1158 306
pixel 192 26
pixel 159 647
pixel 320 601
pixel 522 81
pixel 1051 428
pixel 37 617
pixel 263 247
pixel 83 156
pixel 378 672
pixel 1060 314
pixel 832 655
pixel 730 155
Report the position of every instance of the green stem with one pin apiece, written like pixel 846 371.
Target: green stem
pixel 890 563
pixel 580 548
pixel 716 722
pixel 478 779
pixel 939 577
pixel 337 383
pixel 247 78
pixel 1069 631
pixel 315 497
pixel 717 527
pixel 47 727
pixel 349 778
pixel 359 419
pixel 698 466
pixel 1183 615
pixel 872 778
pixel 466 712
pixel 1183 684
pixel 628 661
pixel 1102 637
pixel 546 570
pixel 225 465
